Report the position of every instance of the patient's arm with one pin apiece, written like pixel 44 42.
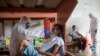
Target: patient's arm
pixel 53 53
pixel 55 50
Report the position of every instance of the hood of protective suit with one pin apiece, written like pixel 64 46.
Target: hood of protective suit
pixel 24 20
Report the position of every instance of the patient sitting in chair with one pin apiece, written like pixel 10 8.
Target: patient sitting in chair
pixel 51 46
pixel 78 38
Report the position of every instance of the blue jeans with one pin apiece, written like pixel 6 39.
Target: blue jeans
pixel 31 51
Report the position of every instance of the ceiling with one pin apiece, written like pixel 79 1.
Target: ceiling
pixel 30 3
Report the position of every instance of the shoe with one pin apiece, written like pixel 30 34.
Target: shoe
pixel 93 48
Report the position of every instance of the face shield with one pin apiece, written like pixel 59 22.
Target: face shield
pixel 27 25
pixel 25 21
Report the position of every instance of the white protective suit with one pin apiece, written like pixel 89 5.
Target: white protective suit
pixel 19 32
pixel 93 28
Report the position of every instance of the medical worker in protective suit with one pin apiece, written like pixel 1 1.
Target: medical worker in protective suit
pixel 93 30
pixel 21 45
pixel 19 33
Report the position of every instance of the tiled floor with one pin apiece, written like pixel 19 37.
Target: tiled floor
pixel 88 52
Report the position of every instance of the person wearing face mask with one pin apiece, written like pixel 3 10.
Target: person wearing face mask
pixel 20 33
pixel 21 45
pixel 54 45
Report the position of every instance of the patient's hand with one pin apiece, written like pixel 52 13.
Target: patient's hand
pixel 38 49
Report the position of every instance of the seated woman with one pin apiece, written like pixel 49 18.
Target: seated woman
pixel 50 46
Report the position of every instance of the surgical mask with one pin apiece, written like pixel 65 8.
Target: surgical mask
pixel 52 35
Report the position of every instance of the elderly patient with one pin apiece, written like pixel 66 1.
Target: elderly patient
pixel 21 45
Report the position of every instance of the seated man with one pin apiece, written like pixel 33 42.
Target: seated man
pixel 77 37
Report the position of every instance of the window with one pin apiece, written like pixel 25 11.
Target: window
pixel 7 28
